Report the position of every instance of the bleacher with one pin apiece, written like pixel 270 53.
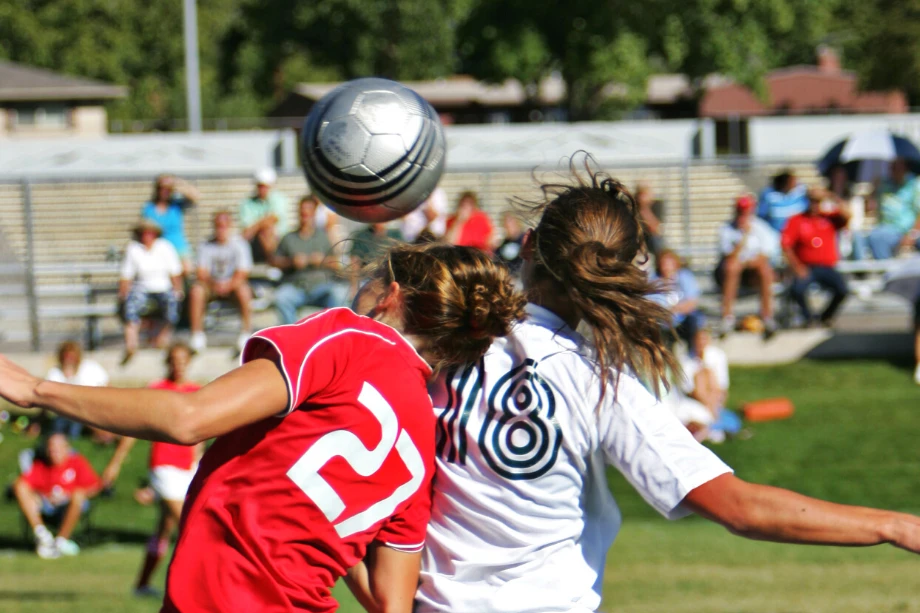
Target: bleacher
pixel 81 226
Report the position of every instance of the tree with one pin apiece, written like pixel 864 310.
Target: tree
pixel 879 38
pixel 594 44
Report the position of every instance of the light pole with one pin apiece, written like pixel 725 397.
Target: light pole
pixel 192 78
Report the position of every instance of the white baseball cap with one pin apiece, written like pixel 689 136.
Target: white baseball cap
pixel 265 176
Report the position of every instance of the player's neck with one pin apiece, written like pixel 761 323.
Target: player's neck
pixel 545 295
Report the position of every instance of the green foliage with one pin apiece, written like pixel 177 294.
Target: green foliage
pixel 253 51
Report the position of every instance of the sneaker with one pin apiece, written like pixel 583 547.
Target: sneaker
pixel 241 340
pixel 47 551
pixel 198 342
pixel 769 328
pixel 727 325
pixel 66 547
pixel 147 591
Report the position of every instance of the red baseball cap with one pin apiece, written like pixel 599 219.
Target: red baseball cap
pixel 744 203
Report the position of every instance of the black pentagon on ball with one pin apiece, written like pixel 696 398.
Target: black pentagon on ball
pixel 373 149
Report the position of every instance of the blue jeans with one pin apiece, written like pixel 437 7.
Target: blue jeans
pixel 884 241
pixel 826 277
pixel 289 298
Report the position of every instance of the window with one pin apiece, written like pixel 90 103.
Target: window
pixel 45 116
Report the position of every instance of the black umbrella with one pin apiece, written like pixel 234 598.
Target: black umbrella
pixel 864 153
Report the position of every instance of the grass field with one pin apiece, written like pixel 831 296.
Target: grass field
pixel 853 439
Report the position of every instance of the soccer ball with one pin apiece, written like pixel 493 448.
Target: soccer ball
pixel 373 150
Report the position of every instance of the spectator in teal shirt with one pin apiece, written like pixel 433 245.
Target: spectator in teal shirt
pixel 264 216
pixel 898 199
pixel 166 207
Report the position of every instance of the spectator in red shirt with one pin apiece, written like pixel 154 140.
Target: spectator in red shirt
pixel 810 244
pixel 470 226
pixel 59 484
pixel 172 468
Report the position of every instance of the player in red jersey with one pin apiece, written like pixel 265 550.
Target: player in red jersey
pixel 325 446
pixel 172 468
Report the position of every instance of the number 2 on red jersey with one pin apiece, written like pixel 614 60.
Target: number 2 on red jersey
pixel 305 472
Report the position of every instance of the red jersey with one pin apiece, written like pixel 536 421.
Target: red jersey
pixel 168 454
pixel 476 232
pixel 813 238
pixel 280 509
pixel 60 481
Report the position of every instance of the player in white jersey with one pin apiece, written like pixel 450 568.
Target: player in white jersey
pixel 522 517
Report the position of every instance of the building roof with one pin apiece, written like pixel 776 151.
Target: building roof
pixel 462 90
pixel 800 90
pixel 20 83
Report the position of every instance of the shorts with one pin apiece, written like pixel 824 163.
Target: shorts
pixel 52 511
pixel 139 303
pixel 749 276
pixel 170 482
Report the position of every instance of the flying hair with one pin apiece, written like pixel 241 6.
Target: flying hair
pixel 587 243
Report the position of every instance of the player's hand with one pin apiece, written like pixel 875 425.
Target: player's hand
pixel 907 532
pixel 300 260
pixel 801 271
pixel 16 384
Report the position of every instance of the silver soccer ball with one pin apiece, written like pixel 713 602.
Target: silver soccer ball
pixel 373 149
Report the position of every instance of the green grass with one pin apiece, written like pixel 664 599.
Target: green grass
pixel 853 439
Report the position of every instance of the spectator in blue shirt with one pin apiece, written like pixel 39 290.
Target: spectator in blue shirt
pixel 781 200
pixel 166 207
pixel 898 199
pixel 680 294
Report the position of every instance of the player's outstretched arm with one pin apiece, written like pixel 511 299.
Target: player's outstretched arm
pixel 774 514
pixel 386 580
pixel 245 395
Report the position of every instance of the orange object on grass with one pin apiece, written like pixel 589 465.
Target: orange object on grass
pixel 768 409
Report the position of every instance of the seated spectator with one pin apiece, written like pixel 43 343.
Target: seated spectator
pixel 917 340
pixel 367 246
pixel 58 485
pixel 264 216
pixel 781 200
pixel 469 226
pixel 509 250
pixel 73 368
pixel 747 245
pixel 705 379
pixel 651 224
pixel 151 275
pixel 898 201
pixel 810 244
pixel 224 264
pixel 306 259
pixel 428 222
pixel 166 207
pixel 681 295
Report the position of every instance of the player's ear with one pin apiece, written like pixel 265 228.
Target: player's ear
pixel 391 298
pixel 527 245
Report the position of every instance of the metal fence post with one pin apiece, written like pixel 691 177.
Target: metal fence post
pixel 31 292
pixel 685 205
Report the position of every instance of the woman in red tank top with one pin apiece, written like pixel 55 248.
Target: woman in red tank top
pixel 172 468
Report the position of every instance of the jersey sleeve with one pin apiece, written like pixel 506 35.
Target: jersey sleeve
pixel 86 477
pixel 650 447
pixel 37 478
pixel 311 355
pixel 405 531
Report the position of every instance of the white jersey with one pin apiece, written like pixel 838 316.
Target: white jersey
pixel 522 517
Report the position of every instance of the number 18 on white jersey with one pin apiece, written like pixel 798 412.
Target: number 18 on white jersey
pixel 521 516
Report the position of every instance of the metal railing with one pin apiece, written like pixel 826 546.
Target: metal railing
pixel 58 230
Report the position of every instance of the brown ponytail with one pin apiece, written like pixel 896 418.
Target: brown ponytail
pixel 457 300
pixel 585 246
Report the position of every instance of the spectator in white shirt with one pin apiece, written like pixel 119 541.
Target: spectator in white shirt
pixel 705 379
pixel 428 222
pixel 150 286
pixel 747 245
